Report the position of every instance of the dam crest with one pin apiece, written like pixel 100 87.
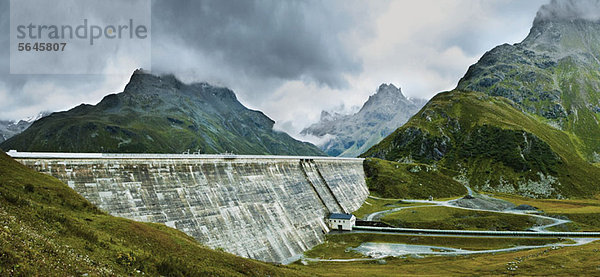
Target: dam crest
pixel 270 208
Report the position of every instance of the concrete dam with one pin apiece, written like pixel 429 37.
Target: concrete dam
pixel 270 208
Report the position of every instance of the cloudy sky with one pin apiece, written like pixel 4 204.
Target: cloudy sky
pixel 292 59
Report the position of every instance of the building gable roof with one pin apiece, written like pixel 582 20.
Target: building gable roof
pixel 340 216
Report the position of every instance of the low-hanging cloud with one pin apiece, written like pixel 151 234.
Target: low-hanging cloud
pixel 569 10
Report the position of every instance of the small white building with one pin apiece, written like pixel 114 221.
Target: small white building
pixel 342 222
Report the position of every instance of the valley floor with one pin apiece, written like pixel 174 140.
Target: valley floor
pixel 377 254
pixel 558 261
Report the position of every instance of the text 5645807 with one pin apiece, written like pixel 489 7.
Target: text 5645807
pixel 42 46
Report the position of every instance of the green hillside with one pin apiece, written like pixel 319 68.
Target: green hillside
pixel 493 146
pixel 523 120
pixel 410 181
pixel 46 228
pixel 161 115
pixel 553 74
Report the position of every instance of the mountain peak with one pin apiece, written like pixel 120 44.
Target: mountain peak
pixel 387 93
pixel 330 116
pixel 568 10
pixel 160 114
pixel 352 134
pixel 565 28
pixel 553 72
pixel 389 89
pixel 385 86
pixel 141 80
pixel 325 116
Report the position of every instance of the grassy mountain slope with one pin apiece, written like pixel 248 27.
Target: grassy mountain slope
pixel 160 115
pixel 493 146
pixel 447 218
pixel 553 74
pixel 532 126
pixel 390 179
pixel 48 229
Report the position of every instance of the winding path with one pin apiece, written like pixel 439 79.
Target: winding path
pixel 451 204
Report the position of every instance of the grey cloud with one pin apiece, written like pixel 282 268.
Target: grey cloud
pixel 251 46
pixel 288 40
pixel 486 25
pixel 26 95
pixel 570 9
pixel 4 40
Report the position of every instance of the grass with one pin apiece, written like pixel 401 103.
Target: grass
pixel 580 222
pixel 410 181
pixel 336 245
pixel 553 206
pixel 460 219
pixel 566 261
pixel 585 213
pixel 48 229
pixel 571 80
pixel 373 205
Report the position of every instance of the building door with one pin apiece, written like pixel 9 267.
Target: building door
pixel 340 227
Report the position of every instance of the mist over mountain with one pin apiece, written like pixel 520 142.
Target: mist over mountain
pixel 160 114
pixel 10 128
pixel 351 135
pixel 559 10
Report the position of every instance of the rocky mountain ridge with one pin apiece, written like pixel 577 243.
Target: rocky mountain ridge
pixel 10 128
pixel 523 120
pixel 553 74
pixel 160 114
pixel 351 135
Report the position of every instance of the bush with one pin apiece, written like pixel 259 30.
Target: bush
pixel 29 188
pixel 126 259
pixel 14 199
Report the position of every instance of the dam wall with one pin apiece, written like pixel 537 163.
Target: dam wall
pixel 321 187
pixel 268 208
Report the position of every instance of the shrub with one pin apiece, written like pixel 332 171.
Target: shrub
pixel 28 188
pixel 126 259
